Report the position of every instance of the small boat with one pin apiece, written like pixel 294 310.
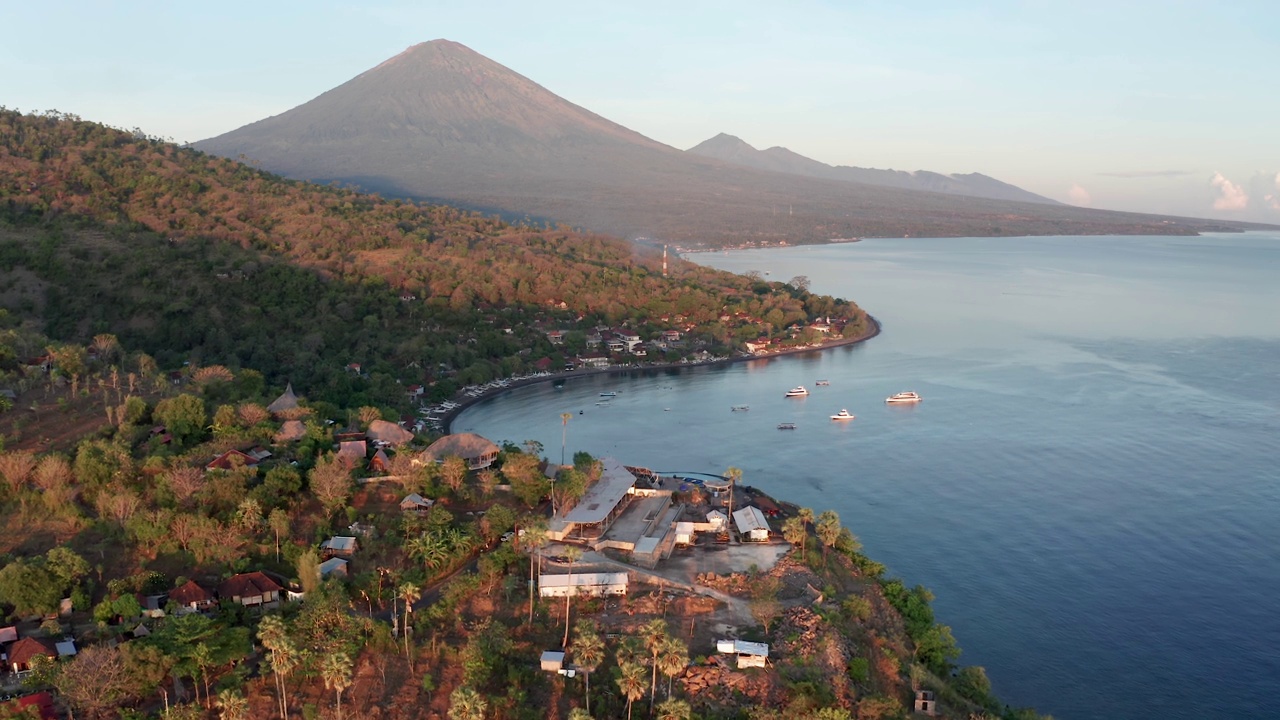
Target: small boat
pixel 823 383
pixel 843 415
pixel 737 408
pixel 609 394
pixel 786 426
pixel 799 391
pixel 903 397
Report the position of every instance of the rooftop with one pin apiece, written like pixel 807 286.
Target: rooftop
pixel 600 499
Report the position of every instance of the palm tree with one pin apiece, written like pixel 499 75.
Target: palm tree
pixel 409 593
pixel 467 704
pixel 673 660
pixel 828 531
pixel 336 672
pixel 574 554
pixel 675 709
pixel 794 530
pixel 734 476
pixel 630 651
pixel 275 638
pixel 233 706
pixel 631 683
pixel 564 433
pixel 579 714
pixel 533 538
pixel 806 517
pixel 655 636
pixel 588 653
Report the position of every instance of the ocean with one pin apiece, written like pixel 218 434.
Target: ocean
pixel 1090 486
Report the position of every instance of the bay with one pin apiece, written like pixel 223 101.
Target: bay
pixel 1090 486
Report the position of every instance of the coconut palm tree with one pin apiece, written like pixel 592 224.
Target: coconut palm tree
pixel 806 516
pixel 574 554
pixel 655 636
pixel 336 672
pixel 232 706
pixel 409 593
pixel 794 530
pixel 673 659
pixel 467 704
pixel 588 653
pixel 631 683
pixel 579 714
pixel 675 709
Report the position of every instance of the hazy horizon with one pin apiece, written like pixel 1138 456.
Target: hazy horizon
pixel 1141 107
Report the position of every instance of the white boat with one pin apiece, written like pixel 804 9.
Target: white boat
pixel 786 426
pixel 903 397
pixel 736 408
pixel 843 415
pixel 609 394
pixel 798 391
pixel 822 383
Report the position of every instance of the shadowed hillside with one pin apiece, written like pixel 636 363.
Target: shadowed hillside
pixel 779 159
pixel 441 122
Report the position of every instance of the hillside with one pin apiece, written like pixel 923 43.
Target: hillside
pixel 441 122
pixel 779 159
pixel 190 257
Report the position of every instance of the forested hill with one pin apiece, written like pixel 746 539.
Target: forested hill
pixel 187 255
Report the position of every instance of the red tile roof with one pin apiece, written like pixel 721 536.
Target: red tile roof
pixel 190 594
pixel 28 647
pixel 251 584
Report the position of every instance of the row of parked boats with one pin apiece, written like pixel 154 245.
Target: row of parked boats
pixel 902 398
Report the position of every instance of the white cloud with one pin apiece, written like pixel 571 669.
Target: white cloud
pixel 1273 199
pixel 1230 195
pixel 1079 196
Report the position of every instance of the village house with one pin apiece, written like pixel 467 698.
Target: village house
pixel 22 652
pixel 616 346
pixel 415 503
pixel 478 452
pixel 671 335
pixel 339 546
pixel 556 337
pixel 594 360
pixel 334 567
pixel 191 597
pixel 232 459
pixel 750 654
pixel 253 589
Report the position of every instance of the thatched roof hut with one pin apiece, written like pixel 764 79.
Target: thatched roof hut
pixel 291 430
pixel 388 432
pixel 475 450
pixel 287 401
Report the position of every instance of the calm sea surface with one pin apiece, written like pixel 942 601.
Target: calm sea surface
pixel 1091 486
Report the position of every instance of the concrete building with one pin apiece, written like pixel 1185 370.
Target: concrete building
pixel 593 584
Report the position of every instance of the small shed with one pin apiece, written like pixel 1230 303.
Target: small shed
pixel 926 702
pixel 66 648
pixel 752 524
pixel 8 634
pixel 718 520
pixel 684 533
pixel 334 567
pixel 750 654
pixel 552 661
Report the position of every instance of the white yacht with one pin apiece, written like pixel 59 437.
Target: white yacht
pixel 798 391
pixel 903 397
pixel 843 415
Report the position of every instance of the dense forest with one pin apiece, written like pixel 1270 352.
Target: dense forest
pixel 190 257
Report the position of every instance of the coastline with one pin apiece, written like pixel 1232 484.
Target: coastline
pixel 464 402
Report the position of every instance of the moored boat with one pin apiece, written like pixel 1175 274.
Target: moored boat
pixel 609 394
pixel 903 397
pixel 822 383
pixel 737 408
pixel 798 391
pixel 843 415
pixel 786 426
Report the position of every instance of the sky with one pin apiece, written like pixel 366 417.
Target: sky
pixel 1163 106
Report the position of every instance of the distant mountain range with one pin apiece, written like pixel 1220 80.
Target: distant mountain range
pixel 779 159
pixel 443 123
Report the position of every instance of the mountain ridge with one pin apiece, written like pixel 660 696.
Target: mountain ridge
pixel 733 149
pixel 442 123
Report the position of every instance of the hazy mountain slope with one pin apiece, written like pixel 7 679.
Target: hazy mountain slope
pixel 779 159
pixel 441 122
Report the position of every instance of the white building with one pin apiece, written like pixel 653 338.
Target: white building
pixel 752 524
pixel 588 583
pixel 750 654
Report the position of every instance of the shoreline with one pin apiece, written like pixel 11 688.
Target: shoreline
pixel 446 420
